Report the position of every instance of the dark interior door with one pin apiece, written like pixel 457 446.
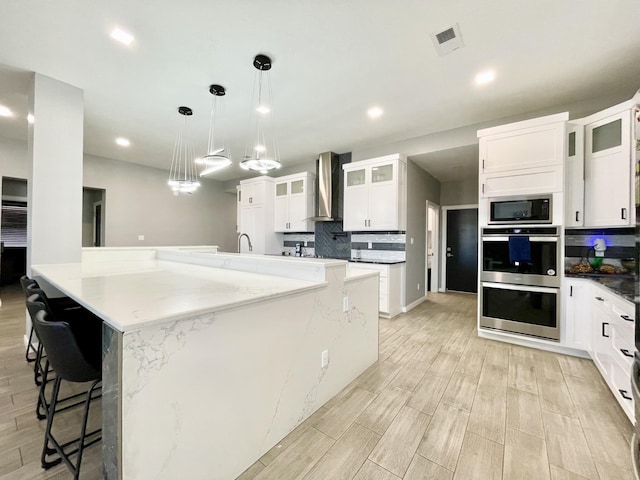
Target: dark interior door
pixel 462 250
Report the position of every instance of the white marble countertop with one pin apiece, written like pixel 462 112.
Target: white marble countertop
pixel 129 295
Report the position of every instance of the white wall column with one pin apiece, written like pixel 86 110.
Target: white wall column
pixel 55 141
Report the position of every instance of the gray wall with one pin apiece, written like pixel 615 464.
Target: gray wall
pixel 464 192
pixel 420 187
pixel 139 202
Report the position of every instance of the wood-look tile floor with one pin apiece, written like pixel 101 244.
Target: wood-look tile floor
pixel 439 404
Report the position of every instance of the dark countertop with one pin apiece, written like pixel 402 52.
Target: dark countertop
pixel 379 262
pixel 622 285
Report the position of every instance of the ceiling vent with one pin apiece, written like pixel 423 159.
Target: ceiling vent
pixel 447 40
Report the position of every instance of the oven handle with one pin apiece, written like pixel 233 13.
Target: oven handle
pixel 525 288
pixel 531 239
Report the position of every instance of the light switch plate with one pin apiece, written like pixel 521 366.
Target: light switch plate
pixel 141 237
pixel 325 359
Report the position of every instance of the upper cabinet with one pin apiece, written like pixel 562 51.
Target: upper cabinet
pixel 294 203
pixel 608 167
pixel 253 191
pixel 375 194
pixel 574 176
pixel 524 157
pixel 256 216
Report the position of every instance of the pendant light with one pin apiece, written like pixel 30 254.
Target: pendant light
pixel 261 152
pixel 216 158
pixel 182 176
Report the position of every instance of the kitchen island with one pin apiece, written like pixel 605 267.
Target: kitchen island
pixel 210 359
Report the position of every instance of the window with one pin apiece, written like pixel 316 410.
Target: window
pixel 13 230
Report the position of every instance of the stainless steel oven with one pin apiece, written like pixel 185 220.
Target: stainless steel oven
pixel 523 309
pixel 542 266
pixel 520 210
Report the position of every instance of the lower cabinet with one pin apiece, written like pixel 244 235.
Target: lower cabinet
pixel 391 280
pixel 603 324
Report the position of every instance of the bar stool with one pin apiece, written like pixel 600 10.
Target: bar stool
pixel 64 352
pixel 86 328
pixel 26 282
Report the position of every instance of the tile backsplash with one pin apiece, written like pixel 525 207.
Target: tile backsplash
pixel 330 241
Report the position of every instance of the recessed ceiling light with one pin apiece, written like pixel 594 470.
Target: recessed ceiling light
pixel 30 119
pixel 5 111
pixel 121 36
pixel 375 112
pixel 123 142
pixel 487 76
pixel 263 109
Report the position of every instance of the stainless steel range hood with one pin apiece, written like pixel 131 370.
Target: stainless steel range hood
pixel 327 188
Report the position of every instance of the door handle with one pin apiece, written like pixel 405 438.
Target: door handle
pixel 603 325
pixel 623 213
pixel 577 216
pixel 627 318
pixel 626 353
pixel 600 299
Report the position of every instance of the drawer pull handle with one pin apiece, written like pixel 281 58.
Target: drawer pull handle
pixel 627 318
pixel 600 299
pixel 603 328
pixel 623 213
pixel 624 394
pixel 626 353
pixel 577 216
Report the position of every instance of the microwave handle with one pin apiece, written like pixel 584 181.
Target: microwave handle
pixel 531 239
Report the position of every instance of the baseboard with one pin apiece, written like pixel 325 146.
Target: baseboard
pixel 532 343
pixel 413 305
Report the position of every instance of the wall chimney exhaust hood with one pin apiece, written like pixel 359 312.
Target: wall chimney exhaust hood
pixel 327 188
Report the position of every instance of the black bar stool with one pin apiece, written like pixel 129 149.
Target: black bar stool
pixel 85 326
pixel 65 354
pixel 26 282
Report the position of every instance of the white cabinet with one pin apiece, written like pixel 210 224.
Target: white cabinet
pixel 294 203
pixel 256 216
pixel 375 194
pixel 578 316
pixel 574 176
pixel 391 292
pixel 613 344
pixel 523 158
pixel 608 168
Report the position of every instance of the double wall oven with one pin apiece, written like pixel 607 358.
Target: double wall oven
pixel 520 290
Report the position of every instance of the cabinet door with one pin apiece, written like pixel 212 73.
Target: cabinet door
pixel 523 148
pixel 356 200
pixel 298 206
pixel 522 182
pixel 608 172
pixel 579 322
pixel 602 330
pixel 574 177
pixel 281 207
pixel 383 201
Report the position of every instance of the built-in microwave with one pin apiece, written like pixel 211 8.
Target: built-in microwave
pixel 521 210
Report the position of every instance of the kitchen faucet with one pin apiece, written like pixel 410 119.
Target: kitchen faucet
pixel 248 240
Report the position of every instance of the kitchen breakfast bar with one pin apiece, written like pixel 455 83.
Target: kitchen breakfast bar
pixel 210 359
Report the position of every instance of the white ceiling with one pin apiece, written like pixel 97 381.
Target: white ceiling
pixel 331 61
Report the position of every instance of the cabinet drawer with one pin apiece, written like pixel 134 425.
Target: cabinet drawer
pixel 621 386
pixel 526 181
pixel 384 303
pixel 384 285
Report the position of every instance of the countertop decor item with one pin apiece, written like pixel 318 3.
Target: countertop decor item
pixel 261 152
pixel 217 157
pixel 182 176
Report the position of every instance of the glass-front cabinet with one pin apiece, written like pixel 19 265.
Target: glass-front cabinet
pixel 294 203
pixel 375 194
pixel 608 170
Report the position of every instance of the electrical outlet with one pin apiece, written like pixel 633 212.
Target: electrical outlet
pixel 324 361
pixel 418 286
pixel 369 245
pixel 140 237
pixel 345 304
pixel 411 240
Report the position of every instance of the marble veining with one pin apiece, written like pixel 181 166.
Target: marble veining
pixel 148 350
